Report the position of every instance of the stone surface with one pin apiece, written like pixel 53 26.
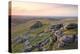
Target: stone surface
pixel 72 26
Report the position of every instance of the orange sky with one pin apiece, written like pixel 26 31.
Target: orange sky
pixel 43 9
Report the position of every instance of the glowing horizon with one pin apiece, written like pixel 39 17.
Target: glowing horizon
pixel 43 9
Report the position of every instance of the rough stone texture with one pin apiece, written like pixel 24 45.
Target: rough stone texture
pixel 72 26
pixel 56 27
pixel 17 39
pixel 65 40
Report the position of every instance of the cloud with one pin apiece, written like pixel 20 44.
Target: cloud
pixel 43 9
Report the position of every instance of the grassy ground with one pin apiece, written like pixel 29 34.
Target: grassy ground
pixel 20 29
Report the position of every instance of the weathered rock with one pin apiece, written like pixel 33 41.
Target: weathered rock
pixel 56 27
pixel 72 26
pixel 25 37
pixel 17 39
pixel 65 40
pixel 28 50
pixel 75 38
pixel 27 46
pixel 60 44
pixel 44 49
pixel 58 33
pixel 54 38
pixel 26 43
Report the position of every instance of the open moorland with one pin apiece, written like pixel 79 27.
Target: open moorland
pixel 38 33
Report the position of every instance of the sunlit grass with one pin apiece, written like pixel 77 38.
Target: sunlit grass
pixel 40 38
pixel 71 32
pixel 17 48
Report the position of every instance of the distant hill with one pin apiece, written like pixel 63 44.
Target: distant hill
pixel 15 20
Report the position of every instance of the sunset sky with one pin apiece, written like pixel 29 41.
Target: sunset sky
pixel 43 9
